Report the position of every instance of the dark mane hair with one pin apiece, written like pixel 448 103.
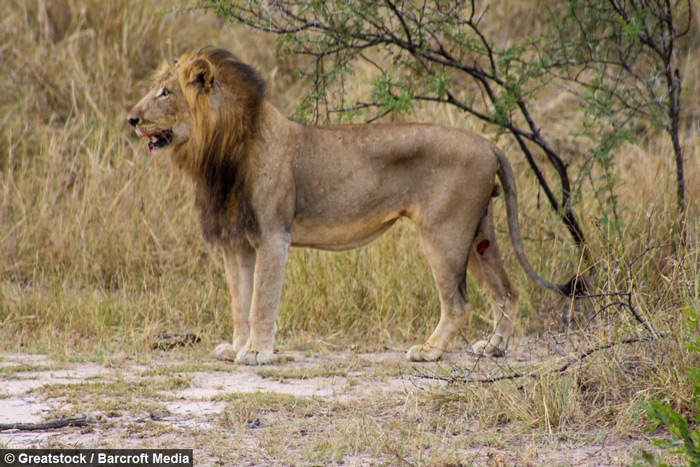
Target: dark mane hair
pixel 217 155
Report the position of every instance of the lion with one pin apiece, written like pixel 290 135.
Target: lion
pixel 264 183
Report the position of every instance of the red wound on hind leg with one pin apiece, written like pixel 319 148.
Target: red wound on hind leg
pixel 482 246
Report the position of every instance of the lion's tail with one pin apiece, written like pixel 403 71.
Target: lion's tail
pixel 505 174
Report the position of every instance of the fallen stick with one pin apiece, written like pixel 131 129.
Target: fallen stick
pixel 534 374
pixel 170 340
pixel 50 425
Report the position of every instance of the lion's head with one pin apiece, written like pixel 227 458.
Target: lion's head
pixel 200 109
pixel 203 111
pixel 163 115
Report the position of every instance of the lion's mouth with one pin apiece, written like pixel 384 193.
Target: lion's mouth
pixel 160 140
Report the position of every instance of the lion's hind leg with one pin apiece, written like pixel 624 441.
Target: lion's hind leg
pixel 447 254
pixel 486 266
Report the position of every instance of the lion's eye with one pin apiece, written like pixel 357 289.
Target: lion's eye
pixel 164 93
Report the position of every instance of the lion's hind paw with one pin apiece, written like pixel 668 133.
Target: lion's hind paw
pixel 424 353
pixel 487 349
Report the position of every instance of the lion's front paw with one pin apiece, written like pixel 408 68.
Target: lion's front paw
pixel 225 352
pixel 252 357
pixel 486 348
pixel 424 353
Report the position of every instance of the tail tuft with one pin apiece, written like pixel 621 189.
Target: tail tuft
pixel 578 286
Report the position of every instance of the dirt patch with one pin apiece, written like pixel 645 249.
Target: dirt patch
pixel 339 408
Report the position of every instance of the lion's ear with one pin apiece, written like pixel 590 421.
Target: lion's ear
pixel 198 73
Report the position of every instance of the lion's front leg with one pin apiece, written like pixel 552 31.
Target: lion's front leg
pixel 270 260
pixel 239 263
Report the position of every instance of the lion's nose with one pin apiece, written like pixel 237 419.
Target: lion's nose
pixel 133 121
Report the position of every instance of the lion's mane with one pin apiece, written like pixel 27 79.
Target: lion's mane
pixel 217 152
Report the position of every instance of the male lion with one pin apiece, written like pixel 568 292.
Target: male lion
pixel 265 183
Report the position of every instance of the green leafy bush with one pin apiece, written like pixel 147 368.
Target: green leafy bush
pixel 683 440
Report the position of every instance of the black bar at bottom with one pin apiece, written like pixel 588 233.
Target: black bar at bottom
pixel 96 457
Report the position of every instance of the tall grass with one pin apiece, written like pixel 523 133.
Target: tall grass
pixel 99 243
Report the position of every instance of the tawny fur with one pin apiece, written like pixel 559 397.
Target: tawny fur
pixel 265 183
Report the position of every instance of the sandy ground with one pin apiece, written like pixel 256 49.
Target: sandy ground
pixel 173 401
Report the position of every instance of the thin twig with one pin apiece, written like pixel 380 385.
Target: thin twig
pixel 535 374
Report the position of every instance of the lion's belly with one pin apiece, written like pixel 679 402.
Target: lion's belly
pixel 337 237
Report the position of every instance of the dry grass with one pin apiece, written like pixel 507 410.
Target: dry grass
pixel 99 245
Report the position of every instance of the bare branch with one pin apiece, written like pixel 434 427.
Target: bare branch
pixel 569 361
